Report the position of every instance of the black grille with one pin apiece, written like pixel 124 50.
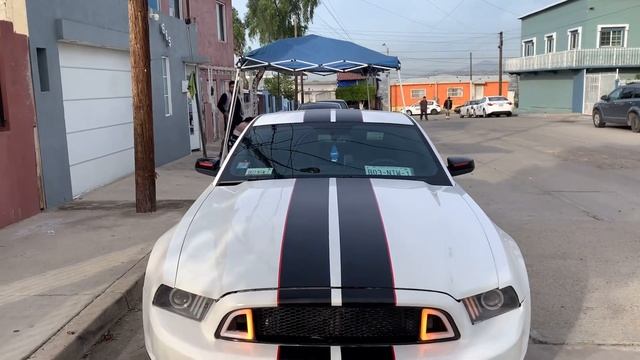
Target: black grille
pixel 337 325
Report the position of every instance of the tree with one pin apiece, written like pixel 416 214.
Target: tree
pixel 270 20
pixel 357 93
pixel 239 34
pixel 285 89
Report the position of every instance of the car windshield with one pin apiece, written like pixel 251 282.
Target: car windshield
pixel 498 98
pixel 334 150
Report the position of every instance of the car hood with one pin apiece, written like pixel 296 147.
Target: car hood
pixel 240 238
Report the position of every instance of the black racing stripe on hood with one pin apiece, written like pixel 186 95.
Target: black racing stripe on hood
pixel 304 258
pixel 350 115
pixel 372 352
pixel 367 275
pixel 317 115
pixel 304 353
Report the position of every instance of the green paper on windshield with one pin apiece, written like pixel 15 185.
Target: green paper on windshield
pixel 388 170
pixel 259 171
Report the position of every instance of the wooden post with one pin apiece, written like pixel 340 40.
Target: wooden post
pixel 142 110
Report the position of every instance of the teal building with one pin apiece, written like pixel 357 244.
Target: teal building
pixel 574 51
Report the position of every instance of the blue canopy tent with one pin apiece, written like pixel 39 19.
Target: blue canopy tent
pixel 318 55
pixel 313 54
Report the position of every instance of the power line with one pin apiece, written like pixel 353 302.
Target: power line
pixel 423 33
pixel 335 31
pixel 336 19
pixel 397 14
pixel 500 8
pixel 446 14
pixel 450 13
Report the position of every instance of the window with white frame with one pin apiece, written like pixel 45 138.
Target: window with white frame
pixel 575 38
pixel 529 47
pixel 418 93
pixel 222 22
pixel 166 83
pixel 154 5
pixel 455 92
pixel 550 43
pixel 612 35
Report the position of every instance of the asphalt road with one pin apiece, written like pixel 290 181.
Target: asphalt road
pixel 568 193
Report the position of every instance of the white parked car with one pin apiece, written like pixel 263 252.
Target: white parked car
pixel 433 108
pixel 494 105
pixel 336 233
pixel 469 109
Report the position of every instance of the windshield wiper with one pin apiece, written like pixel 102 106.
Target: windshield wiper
pixel 310 170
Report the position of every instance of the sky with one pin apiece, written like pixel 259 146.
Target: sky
pixel 427 35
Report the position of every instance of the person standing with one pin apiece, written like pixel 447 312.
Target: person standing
pixel 448 105
pixel 424 108
pixel 224 105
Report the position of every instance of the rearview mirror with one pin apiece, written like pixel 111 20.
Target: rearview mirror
pixel 208 166
pixel 460 165
pixel 605 97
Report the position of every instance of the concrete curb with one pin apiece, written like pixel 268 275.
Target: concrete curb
pixel 84 330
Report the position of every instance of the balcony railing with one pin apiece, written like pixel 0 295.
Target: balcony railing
pixel 576 59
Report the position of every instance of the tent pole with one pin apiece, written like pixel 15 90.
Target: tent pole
pixel 404 104
pixel 232 109
pixel 368 95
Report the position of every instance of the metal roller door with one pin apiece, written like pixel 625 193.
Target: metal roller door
pixel 98 112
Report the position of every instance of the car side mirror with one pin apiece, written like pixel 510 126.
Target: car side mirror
pixel 208 166
pixel 605 97
pixel 460 165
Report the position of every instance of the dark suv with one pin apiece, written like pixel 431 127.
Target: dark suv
pixel 621 107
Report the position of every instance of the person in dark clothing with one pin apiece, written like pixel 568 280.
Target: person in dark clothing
pixel 448 105
pixel 424 108
pixel 224 105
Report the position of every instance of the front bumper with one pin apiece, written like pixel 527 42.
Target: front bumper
pixel 170 336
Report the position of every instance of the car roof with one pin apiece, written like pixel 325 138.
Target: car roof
pixel 319 105
pixel 343 104
pixel 333 116
pixel 339 101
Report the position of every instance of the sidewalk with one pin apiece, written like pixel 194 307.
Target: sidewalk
pixel 53 265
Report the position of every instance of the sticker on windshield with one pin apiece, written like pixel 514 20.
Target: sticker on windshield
pixel 375 136
pixel 258 171
pixel 243 165
pixel 388 170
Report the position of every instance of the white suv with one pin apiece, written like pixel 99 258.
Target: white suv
pixel 432 109
pixel 494 105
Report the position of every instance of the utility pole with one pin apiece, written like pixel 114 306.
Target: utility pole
pixel 145 169
pixel 471 87
pixel 500 64
pixel 295 77
pixel 471 66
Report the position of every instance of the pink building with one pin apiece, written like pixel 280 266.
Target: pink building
pixel 19 189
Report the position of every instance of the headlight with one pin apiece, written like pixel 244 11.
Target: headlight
pixel 181 302
pixel 491 304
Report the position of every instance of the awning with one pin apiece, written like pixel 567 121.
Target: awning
pixel 319 55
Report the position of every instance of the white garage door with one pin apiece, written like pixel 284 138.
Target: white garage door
pixel 96 87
